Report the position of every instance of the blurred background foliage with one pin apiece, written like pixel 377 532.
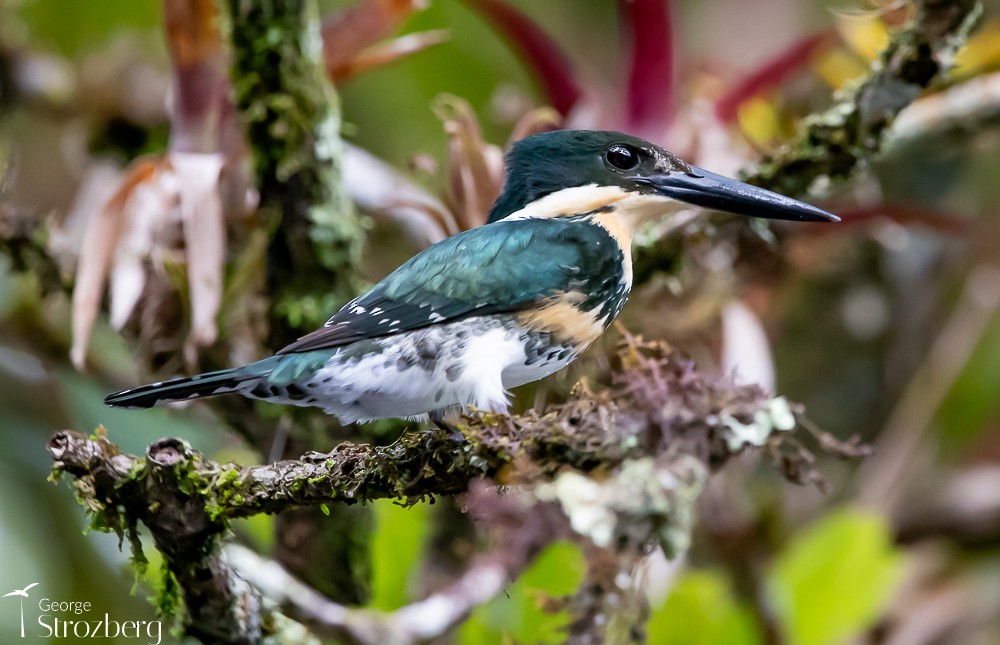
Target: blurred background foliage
pixel 884 327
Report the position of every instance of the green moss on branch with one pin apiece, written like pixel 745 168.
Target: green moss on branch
pixel 831 144
pixel 623 465
pixel 292 119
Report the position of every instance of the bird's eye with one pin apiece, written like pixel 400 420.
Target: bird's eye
pixel 622 157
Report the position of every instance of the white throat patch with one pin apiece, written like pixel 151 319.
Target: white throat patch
pixel 631 208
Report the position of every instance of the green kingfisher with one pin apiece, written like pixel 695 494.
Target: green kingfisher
pixel 498 306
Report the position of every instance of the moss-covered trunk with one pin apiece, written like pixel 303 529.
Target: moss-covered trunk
pixel 292 121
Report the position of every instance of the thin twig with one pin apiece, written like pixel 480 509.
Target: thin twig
pixel 425 619
pixel 886 476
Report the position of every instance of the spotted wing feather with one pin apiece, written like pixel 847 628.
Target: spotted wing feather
pixel 499 268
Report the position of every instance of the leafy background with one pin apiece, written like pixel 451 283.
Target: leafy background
pixel 850 334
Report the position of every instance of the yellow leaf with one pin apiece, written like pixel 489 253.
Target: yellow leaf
pixel 866 35
pixel 837 66
pixel 981 51
pixel 759 120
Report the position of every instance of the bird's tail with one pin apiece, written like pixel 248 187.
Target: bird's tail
pixel 193 387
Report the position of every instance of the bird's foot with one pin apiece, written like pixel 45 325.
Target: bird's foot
pixel 440 419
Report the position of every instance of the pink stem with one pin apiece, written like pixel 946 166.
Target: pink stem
pixel 648 26
pixel 537 50
pixel 772 73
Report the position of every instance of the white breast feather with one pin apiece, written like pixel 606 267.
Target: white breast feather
pixel 469 365
pixel 485 359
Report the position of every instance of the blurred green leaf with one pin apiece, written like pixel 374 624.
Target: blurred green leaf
pixel 397 543
pixel 701 610
pixel 84 401
pixel 972 404
pixel 518 614
pixel 834 578
pixel 72 27
pixel 257 530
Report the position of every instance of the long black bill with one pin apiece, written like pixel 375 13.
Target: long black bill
pixel 709 190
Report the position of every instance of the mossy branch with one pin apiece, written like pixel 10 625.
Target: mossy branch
pixel 830 145
pixel 623 465
pixel 123 490
pixel 657 404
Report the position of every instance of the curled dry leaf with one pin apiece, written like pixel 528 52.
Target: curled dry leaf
pixel 390 51
pixel 540 119
pixel 200 107
pixel 347 33
pixel 182 192
pixel 378 187
pixel 157 197
pixel 475 167
pixel 205 240
pixel 101 179
pixel 145 216
pixel 475 176
pixel 100 240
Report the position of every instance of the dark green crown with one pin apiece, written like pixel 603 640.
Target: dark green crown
pixel 545 163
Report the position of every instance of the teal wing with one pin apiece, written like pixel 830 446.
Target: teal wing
pixel 498 268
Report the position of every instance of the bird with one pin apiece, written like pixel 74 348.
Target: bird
pixel 489 309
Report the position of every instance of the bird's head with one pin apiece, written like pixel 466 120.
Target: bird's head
pixel 568 172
